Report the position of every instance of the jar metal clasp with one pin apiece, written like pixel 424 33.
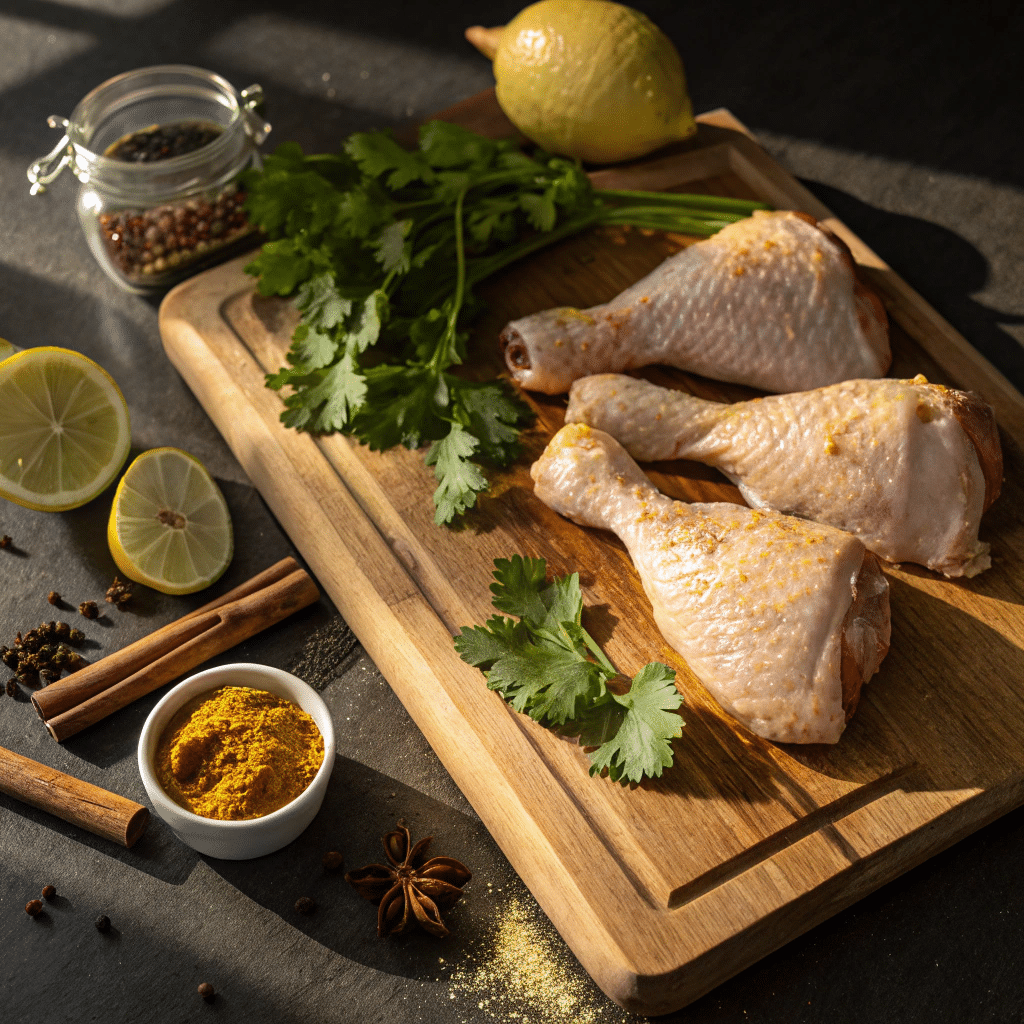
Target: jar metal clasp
pixel 42 172
pixel 252 105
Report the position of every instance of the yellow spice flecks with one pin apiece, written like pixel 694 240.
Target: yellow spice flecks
pixel 238 753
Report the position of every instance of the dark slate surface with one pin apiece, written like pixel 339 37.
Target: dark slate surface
pixel 906 123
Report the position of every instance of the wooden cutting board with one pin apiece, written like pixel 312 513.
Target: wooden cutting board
pixel 662 890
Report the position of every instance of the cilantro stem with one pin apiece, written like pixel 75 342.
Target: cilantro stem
pixel 444 354
pixel 718 204
pixel 622 213
pixel 596 651
pixel 488 265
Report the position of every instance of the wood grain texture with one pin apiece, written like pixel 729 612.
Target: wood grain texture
pixel 666 889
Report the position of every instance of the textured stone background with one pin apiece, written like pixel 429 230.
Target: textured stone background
pixel 906 124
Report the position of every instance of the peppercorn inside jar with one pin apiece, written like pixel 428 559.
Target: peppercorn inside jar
pixel 153 244
pixel 159 153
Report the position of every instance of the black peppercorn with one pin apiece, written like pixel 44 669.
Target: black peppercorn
pixel 89 609
pixel 207 991
pixel 49 892
pixel 33 907
pixel 333 860
pixel 103 923
pixel 53 597
pixel 304 905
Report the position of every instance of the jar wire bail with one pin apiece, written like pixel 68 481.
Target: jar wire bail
pixel 42 172
pixel 252 105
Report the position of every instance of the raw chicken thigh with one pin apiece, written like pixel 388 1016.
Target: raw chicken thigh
pixel 781 619
pixel 907 466
pixel 771 301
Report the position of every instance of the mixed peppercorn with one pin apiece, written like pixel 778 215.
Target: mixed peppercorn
pixel 147 243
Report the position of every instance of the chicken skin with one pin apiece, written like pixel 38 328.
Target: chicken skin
pixel 907 466
pixel 781 619
pixel 771 301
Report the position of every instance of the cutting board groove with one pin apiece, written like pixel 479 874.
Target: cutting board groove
pixel 665 889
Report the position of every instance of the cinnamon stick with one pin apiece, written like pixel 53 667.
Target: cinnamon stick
pixel 65 693
pixel 96 810
pixel 198 638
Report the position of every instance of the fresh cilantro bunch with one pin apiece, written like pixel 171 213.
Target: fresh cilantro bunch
pixel 547 666
pixel 383 246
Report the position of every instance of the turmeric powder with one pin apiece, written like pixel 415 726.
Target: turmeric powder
pixel 238 753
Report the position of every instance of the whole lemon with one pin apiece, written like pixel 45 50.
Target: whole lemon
pixel 592 79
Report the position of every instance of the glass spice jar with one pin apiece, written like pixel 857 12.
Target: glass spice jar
pixel 159 152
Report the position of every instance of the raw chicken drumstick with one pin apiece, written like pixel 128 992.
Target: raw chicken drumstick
pixel 907 466
pixel 781 619
pixel 771 301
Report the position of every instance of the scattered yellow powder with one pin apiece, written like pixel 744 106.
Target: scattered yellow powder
pixel 238 753
pixel 522 973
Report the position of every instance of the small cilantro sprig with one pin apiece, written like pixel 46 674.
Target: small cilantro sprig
pixel 383 247
pixel 548 666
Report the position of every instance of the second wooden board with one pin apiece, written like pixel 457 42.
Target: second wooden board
pixel 665 889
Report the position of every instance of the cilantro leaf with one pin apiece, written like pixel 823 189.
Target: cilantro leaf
pixel 517 587
pixel 392 251
pixel 377 153
pixel 320 302
pixel 311 348
pixel 493 415
pixel 328 401
pixel 459 479
pixel 640 745
pixel 281 267
pixel 540 210
pixel 541 666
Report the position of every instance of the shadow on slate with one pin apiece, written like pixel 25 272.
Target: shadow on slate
pixel 158 853
pixel 361 806
pixel 945 268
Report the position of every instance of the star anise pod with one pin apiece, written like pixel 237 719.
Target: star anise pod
pixel 410 889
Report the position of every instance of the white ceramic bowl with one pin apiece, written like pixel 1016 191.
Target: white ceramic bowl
pixel 238 840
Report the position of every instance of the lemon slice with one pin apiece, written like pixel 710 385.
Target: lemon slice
pixel 64 430
pixel 169 526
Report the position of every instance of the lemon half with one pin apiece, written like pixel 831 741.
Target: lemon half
pixel 64 429
pixel 169 526
pixel 592 79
